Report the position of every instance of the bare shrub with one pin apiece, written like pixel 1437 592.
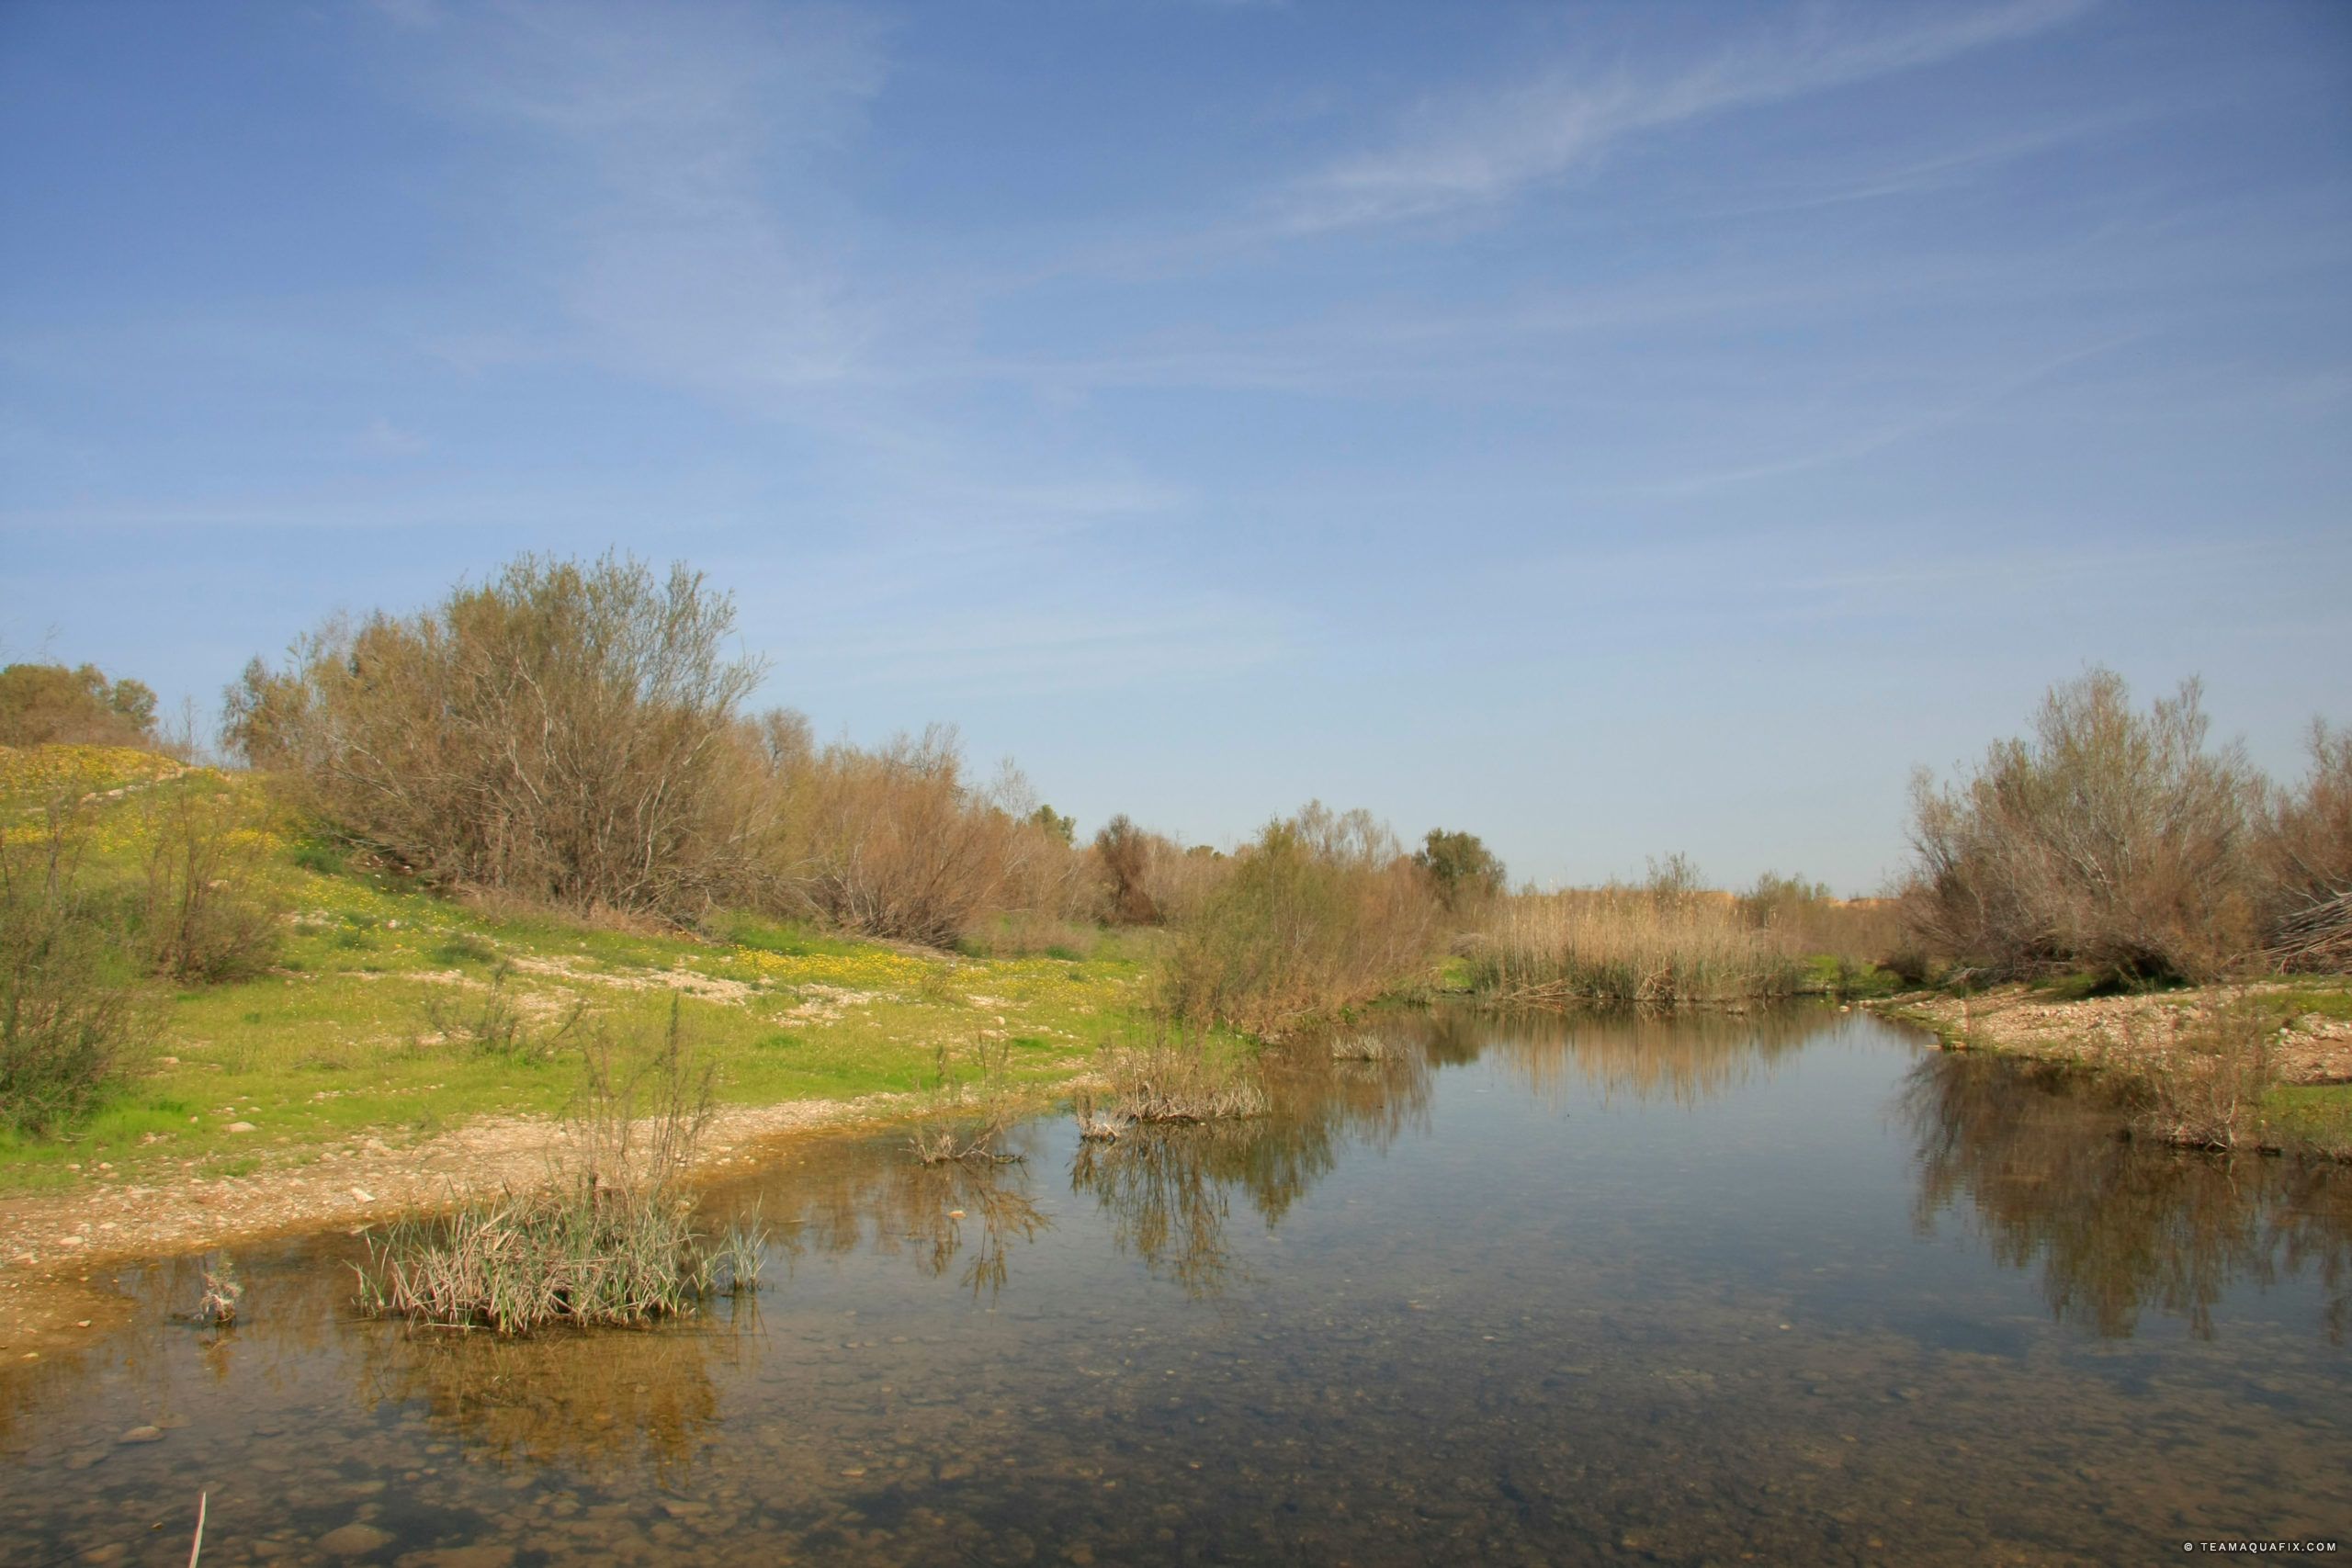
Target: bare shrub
pixel 2305 854
pixel 1124 852
pixel 566 731
pixel 897 842
pixel 2111 839
pixel 68 1014
pixel 210 908
pixel 1321 912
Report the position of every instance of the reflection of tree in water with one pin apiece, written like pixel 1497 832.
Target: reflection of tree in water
pixel 2117 1226
pixel 1168 1188
pixel 593 1397
pixel 846 1198
pixel 1687 1055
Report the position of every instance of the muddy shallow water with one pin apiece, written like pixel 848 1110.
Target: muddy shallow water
pixel 1531 1290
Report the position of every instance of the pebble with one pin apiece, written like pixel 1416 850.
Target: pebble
pixel 142 1435
pixel 354 1539
pixel 241 1127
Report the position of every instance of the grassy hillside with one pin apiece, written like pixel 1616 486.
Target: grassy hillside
pixel 389 1009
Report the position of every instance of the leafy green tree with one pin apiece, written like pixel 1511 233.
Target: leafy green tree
pixel 1461 868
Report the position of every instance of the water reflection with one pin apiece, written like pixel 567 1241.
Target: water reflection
pixel 1688 1056
pixel 855 1194
pixel 595 1400
pixel 1547 1329
pixel 1167 1190
pixel 2117 1227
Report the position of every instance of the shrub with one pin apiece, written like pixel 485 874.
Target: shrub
pixel 40 704
pixel 209 910
pixel 1321 912
pixel 2111 839
pixel 566 731
pixel 897 842
pixel 2305 854
pixel 1124 854
pixel 1464 872
pixel 67 1019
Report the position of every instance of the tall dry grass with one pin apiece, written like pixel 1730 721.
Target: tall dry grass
pixel 1626 944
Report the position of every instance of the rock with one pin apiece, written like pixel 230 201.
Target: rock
pixel 241 1127
pixel 361 1194
pixel 72 1241
pixel 142 1435
pixel 460 1557
pixel 353 1540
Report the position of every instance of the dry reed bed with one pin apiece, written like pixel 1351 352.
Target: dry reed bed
pixel 1631 946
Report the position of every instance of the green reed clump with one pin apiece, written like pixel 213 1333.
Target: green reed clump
pixel 1621 945
pixel 614 1239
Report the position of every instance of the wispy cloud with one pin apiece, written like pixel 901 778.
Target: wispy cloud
pixel 1476 150
pixel 666 171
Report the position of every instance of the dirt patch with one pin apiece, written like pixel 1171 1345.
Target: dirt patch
pixel 707 987
pixel 2121 1030
pixel 51 1244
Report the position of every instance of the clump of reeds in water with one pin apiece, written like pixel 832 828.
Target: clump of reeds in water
pixel 1172 1077
pixel 967 1107
pixel 612 1239
pixel 1630 945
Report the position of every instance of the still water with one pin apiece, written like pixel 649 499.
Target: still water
pixel 1786 1288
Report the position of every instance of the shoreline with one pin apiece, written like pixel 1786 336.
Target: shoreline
pixel 56 1246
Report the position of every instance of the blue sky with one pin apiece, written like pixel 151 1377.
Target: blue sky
pixel 1609 429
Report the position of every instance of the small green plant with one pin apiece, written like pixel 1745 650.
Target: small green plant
pixel 461 948
pixel 496 1024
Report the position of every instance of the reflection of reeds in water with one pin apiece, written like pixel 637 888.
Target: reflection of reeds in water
pixel 850 1197
pixel 1629 945
pixel 627 1398
pixel 1168 1187
pixel 2117 1226
pixel 1685 1057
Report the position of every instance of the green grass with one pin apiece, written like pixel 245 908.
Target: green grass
pixel 2316 1117
pixel 333 1043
